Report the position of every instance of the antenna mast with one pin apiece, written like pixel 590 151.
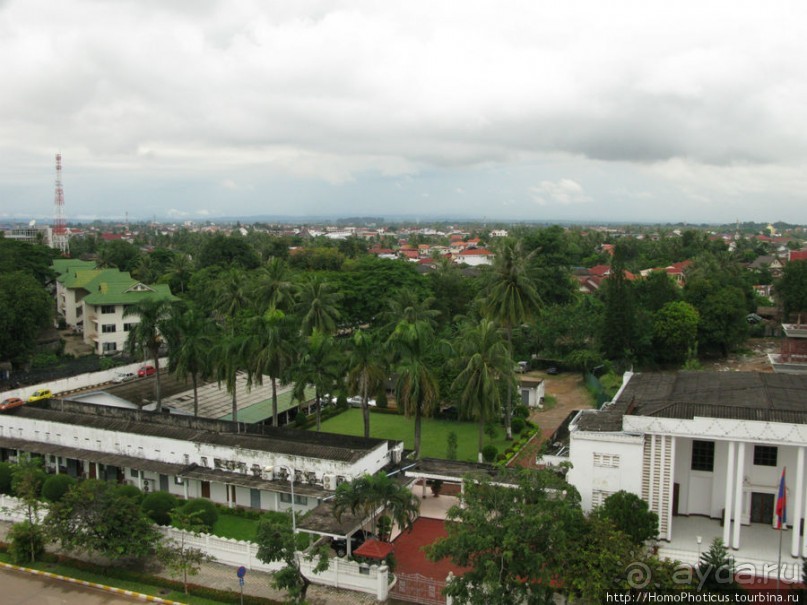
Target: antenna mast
pixel 59 240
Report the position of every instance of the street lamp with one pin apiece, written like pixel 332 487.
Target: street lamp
pixel 293 516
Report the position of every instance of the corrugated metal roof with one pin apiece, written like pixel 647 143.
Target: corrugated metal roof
pixel 766 397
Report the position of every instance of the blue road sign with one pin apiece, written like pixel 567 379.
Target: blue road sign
pixel 242 571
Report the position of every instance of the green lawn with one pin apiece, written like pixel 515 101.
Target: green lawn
pixel 235 527
pixel 433 440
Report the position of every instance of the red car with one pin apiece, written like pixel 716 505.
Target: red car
pixel 11 402
pixel 146 371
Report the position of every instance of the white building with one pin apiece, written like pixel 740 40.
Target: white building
pixel 228 463
pixel 698 446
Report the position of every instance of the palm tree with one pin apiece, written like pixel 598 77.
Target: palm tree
pixel 367 370
pixel 274 287
pixel 416 387
pixel 144 336
pixel 511 300
pixel 190 337
pixel 485 361
pixel 230 293
pixel 318 302
pixel 319 365
pixel 180 271
pixel 370 494
pixel 407 306
pixel 229 359
pixel 270 350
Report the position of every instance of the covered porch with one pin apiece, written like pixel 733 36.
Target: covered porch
pixel 758 554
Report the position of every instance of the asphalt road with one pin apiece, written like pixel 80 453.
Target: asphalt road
pixel 21 588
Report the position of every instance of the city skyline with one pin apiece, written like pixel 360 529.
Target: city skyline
pixel 625 112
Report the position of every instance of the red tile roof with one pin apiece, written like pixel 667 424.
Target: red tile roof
pixel 374 549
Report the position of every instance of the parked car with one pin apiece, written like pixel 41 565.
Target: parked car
pixel 355 402
pixel 339 545
pixel 40 395
pixel 146 371
pixel 552 370
pixel 124 377
pixel 11 402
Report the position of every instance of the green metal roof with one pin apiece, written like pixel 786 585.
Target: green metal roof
pixel 64 265
pixel 124 292
pixel 258 412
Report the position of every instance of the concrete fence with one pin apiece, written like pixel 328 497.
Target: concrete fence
pixel 350 575
pixel 83 381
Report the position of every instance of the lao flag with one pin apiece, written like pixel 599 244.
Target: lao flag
pixel 781 502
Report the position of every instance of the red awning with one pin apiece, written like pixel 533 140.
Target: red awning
pixel 373 549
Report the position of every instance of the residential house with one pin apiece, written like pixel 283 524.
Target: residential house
pixel 96 301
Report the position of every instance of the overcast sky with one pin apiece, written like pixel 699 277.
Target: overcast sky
pixel 594 111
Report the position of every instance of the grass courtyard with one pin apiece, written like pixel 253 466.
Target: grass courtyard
pixel 433 440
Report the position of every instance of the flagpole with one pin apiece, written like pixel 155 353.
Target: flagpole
pixel 781 520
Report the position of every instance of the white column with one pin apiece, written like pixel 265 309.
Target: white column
pixel 727 498
pixel 797 505
pixel 738 495
pixel 651 501
pixel 671 488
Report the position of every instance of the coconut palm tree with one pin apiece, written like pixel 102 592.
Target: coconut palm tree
pixel 367 370
pixel 190 337
pixel 511 300
pixel 317 301
pixel 230 293
pixel 320 364
pixel 486 364
pixel 274 288
pixel 145 337
pixel 369 495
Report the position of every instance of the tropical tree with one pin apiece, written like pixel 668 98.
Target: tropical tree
pixel 416 387
pixel 190 337
pixel 270 350
pixel 486 367
pixel 277 541
pixel 630 514
pixel 145 336
pixel 229 359
pixel 514 539
pixel 93 516
pixel 511 300
pixel 367 371
pixel 177 554
pixel 318 304
pixel 370 495
pixel 319 364
pixel 179 271
pixel 274 287
pixel 230 293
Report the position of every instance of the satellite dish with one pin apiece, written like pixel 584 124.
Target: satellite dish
pixel 32 223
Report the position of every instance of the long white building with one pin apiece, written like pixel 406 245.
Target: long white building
pixel 699 446
pixel 229 463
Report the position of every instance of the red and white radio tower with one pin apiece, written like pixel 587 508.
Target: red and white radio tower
pixel 59 240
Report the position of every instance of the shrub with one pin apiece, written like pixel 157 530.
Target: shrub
pixel 489 452
pixel 204 509
pixel 129 491
pixel 300 420
pixel 521 411
pixel 44 360
pixel 56 486
pixel 5 477
pixel 26 542
pixel 21 476
pixel 381 400
pixel 157 506
pixel 517 425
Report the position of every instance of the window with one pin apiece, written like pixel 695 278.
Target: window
pixel 285 498
pixel 303 500
pixel 177 480
pixel 107 309
pixel 703 456
pixel 109 347
pixel 109 328
pixel 128 327
pixel 598 497
pixel 135 474
pixel 606 460
pixel 765 455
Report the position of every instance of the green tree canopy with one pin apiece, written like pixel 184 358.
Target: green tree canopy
pixel 630 515
pixel 93 517
pixel 25 310
pixel 675 332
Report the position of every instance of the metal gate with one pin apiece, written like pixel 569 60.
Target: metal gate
pixel 416 588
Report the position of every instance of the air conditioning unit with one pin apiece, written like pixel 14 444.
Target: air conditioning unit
pixel 268 473
pixel 329 482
